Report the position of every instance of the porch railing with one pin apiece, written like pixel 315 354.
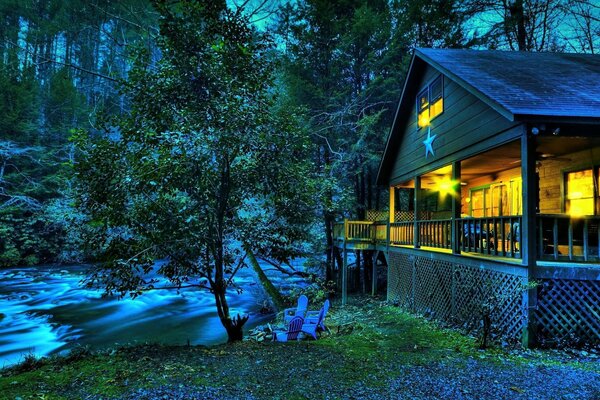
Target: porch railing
pixel 566 238
pixel 435 233
pixel 497 236
pixel 402 233
pixel 559 237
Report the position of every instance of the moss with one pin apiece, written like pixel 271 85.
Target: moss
pixel 271 290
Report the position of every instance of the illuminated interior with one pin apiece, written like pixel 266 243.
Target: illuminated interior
pixel 430 102
pixel 423 108
pixel 436 108
pixel 580 193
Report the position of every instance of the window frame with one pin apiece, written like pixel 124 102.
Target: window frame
pixel 427 89
pixel 595 180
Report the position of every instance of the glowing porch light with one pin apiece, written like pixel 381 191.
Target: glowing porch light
pixel 446 186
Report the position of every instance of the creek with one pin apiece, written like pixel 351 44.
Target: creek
pixel 44 310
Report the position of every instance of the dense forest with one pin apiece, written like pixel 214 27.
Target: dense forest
pixel 67 67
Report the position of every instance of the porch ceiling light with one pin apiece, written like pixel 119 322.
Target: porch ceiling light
pixel 446 186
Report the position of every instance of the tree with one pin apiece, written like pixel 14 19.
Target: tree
pixel 535 25
pixel 204 167
pixel 344 63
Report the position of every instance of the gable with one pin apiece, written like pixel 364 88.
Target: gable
pixel 465 121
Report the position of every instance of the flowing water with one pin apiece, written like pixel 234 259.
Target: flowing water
pixel 44 310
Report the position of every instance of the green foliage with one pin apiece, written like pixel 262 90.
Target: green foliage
pixel 202 165
pixel 317 291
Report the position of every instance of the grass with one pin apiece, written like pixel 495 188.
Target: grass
pixel 369 344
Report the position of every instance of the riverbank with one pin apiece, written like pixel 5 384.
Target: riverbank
pixel 374 351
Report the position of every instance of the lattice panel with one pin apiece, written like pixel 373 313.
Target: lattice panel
pixel 377 215
pixel 433 288
pixel 400 280
pixel 568 312
pixel 458 294
pixel 404 216
pixel 501 294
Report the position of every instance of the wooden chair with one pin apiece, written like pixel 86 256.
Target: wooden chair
pixel 294 329
pixel 312 317
pixel 312 328
pixel 298 311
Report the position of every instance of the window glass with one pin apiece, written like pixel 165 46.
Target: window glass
pixel 436 89
pixel 516 207
pixel 580 193
pixel 430 102
pixel 499 203
pixel 477 203
pixel 437 100
pixel 423 109
pixel 423 100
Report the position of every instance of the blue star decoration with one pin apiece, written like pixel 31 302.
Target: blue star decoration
pixel 429 143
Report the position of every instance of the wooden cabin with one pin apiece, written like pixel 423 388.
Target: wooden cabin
pixel 493 165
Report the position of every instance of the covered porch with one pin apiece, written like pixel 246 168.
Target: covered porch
pixel 475 207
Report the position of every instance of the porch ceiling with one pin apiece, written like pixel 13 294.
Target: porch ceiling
pixel 509 156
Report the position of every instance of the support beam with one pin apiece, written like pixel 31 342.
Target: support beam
pixel 528 230
pixel 392 213
pixel 456 202
pixel 345 276
pixel 417 199
pixel 374 274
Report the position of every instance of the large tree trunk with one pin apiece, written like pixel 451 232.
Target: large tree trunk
pixel 233 326
pixel 329 220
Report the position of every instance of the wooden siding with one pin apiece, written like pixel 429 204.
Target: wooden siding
pixel 552 177
pixel 465 121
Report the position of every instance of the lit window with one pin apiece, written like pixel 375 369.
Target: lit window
pixel 423 108
pixel 480 202
pixel 430 102
pixel 580 193
pixel 436 91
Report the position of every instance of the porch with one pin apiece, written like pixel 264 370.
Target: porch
pixel 560 237
pixel 516 226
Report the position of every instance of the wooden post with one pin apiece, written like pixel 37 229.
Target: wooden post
pixel 456 202
pixel 528 231
pixel 374 274
pixel 392 215
pixel 416 239
pixel 345 270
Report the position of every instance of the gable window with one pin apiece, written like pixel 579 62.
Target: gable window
pixel 430 102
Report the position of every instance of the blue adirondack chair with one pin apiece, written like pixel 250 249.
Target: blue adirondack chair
pixel 298 311
pixel 311 328
pixel 312 317
pixel 294 329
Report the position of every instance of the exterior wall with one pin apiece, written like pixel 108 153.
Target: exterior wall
pixel 458 292
pixel 552 174
pixel 465 120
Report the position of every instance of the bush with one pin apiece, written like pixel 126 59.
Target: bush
pixel 317 291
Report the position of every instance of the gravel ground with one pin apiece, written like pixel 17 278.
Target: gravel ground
pixel 474 379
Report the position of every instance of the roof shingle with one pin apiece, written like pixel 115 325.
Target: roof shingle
pixel 526 84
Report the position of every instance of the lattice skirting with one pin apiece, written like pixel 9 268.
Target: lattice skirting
pixel 568 312
pixel 458 294
pixel 377 215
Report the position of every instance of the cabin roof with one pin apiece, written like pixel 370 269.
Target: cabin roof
pixel 523 83
pixel 521 86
